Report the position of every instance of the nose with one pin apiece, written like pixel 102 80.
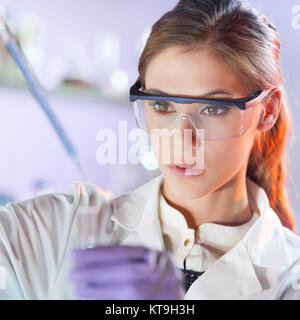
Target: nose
pixel 186 127
pixel 187 143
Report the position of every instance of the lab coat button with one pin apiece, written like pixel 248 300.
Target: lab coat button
pixel 187 242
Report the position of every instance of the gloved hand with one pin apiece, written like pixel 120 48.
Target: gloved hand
pixel 125 272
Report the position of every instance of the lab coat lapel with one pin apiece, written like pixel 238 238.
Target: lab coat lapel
pixel 137 213
pixel 230 277
pixel 233 276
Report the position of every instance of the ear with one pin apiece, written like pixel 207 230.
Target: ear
pixel 271 109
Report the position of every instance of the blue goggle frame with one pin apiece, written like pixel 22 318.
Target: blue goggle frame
pixel 242 103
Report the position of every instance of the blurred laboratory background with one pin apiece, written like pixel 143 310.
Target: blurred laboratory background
pixel 85 55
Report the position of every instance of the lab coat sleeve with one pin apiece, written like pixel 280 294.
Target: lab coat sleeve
pixel 34 237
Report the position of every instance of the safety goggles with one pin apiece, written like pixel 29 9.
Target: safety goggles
pixel 218 118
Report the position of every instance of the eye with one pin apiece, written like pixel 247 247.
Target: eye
pixel 160 106
pixel 216 111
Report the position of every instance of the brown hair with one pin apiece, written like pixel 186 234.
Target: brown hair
pixel 249 44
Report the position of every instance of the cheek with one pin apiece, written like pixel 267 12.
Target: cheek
pixel 162 147
pixel 228 155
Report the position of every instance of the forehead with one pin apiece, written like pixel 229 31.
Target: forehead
pixel 193 72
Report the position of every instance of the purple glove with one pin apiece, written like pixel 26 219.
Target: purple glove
pixel 125 272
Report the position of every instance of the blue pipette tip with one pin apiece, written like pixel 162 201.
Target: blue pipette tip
pixel 77 162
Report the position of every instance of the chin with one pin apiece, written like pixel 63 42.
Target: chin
pixel 188 188
pixel 187 192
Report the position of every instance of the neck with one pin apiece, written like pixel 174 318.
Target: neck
pixel 227 205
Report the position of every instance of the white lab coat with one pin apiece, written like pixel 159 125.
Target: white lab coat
pixel 36 237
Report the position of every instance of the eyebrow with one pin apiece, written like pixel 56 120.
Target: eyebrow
pixel 211 93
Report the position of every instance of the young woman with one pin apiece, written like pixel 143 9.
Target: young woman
pixel 210 65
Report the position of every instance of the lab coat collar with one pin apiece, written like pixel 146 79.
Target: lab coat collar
pixel 137 213
pixel 233 274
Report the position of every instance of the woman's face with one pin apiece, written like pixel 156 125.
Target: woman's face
pixel 195 73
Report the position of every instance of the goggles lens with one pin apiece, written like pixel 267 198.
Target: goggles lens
pixel 218 122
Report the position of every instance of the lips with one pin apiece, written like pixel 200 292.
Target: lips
pixel 186 172
pixel 189 168
pixel 193 172
pixel 183 166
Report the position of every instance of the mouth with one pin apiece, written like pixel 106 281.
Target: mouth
pixel 186 172
pixel 184 167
